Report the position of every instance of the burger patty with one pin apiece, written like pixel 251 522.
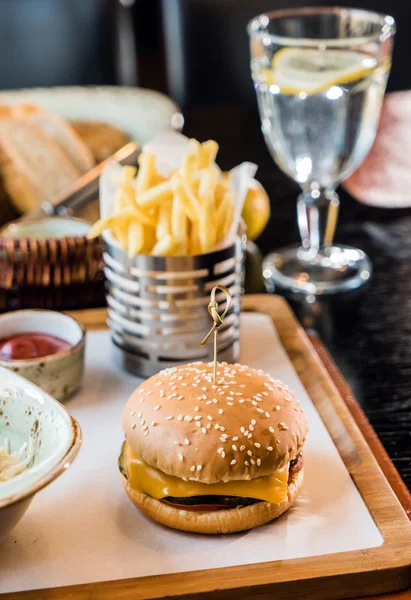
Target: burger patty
pixel 225 502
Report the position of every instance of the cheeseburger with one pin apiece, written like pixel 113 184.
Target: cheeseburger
pixel 213 457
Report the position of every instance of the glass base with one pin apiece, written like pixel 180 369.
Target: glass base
pixel 331 270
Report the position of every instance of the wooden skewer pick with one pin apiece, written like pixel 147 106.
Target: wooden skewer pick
pixel 218 321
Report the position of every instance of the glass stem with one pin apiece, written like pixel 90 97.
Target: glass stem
pixel 317 212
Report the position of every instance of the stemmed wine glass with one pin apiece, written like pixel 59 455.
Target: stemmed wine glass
pixel 320 76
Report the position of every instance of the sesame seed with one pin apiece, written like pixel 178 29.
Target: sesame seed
pixel 249 452
pixel 242 385
pixel 194 384
pixel 252 461
pixel 208 426
pixel 223 454
pixel 239 393
pixel 253 422
pixel 250 435
pixel 267 414
pixel 242 448
pixel 260 410
pixel 149 393
pixel 278 407
pixel 196 408
pixel 154 423
pixel 146 433
pixel 269 448
pixel 209 402
pixel 215 401
pixel 145 427
pixel 133 412
pixel 251 427
pixel 188 418
pixel 159 382
pixel 230 404
pixel 204 389
pixel 210 418
pixel 177 443
pixel 204 430
pixel 187 442
pixel 253 402
pixel 216 426
pixel 258 462
pixel 233 462
pixel 282 426
pixel 180 417
pixel 197 418
pixel 242 429
pixel 141 391
pixel 133 426
pixel 246 433
pixel 271 430
pixel 235 438
pixel 139 415
pixel 193 468
pixel 220 411
pixel 257 444
pixel 220 450
pixel 180 457
pixel 234 447
pixel 199 467
pixel 223 439
pixel 170 417
pixel 157 407
pixel 247 464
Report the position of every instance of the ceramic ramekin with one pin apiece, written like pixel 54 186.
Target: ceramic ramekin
pixel 59 374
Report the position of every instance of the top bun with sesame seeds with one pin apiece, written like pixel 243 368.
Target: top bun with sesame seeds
pixel 244 426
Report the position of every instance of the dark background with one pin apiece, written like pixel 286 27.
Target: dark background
pixel 197 51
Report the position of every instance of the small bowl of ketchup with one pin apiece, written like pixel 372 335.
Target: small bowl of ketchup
pixel 45 347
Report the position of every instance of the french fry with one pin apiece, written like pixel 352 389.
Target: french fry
pixel 208 183
pixel 127 175
pixel 103 224
pixel 208 153
pixel 224 216
pixel 179 225
pixel 194 246
pixel 165 247
pixel 190 206
pixel 207 231
pixel 156 195
pixel 163 228
pixel 147 164
pixel 135 239
pixel 149 240
pixel 120 232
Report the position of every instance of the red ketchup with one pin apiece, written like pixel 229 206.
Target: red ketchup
pixel 21 346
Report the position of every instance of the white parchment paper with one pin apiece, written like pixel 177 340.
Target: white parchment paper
pixel 83 528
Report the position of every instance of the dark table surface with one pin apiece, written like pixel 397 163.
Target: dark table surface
pixel 367 332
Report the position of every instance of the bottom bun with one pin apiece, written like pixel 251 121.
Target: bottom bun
pixel 216 521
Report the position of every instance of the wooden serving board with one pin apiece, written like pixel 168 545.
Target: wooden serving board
pixel 329 577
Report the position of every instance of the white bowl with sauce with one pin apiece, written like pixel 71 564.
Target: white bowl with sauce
pixel 26 411
pixel 59 373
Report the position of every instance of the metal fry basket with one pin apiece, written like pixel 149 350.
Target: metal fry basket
pixel 157 306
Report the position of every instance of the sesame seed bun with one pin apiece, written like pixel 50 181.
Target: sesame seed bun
pixel 246 425
pixel 217 521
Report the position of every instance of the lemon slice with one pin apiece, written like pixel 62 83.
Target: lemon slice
pixel 296 70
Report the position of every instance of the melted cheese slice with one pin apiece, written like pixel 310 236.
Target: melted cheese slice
pixel 156 484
